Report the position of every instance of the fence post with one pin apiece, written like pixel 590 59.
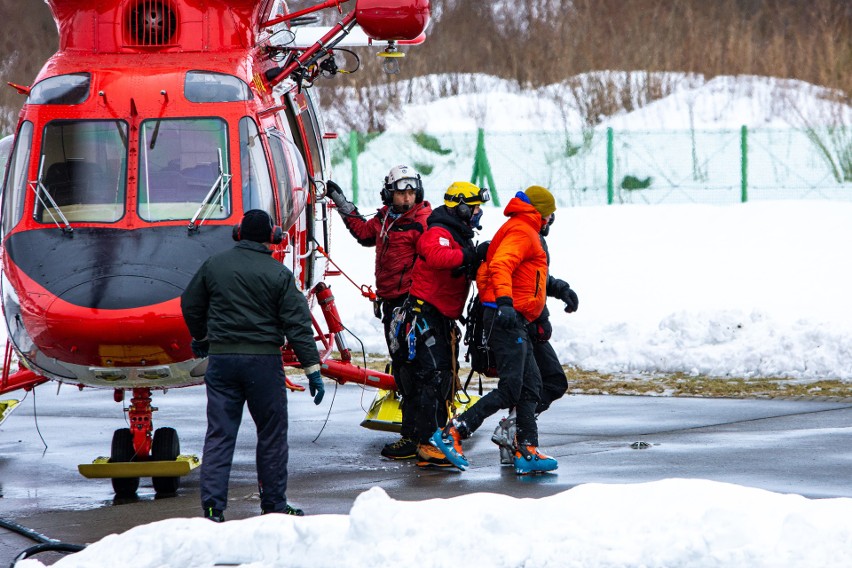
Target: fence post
pixel 482 169
pixel 744 164
pixel 610 167
pixel 353 157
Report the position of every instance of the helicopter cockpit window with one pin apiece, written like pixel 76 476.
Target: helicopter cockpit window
pixel 209 87
pixel 16 178
pixel 257 186
pixel 70 89
pixel 291 175
pixel 183 166
pixel 82 171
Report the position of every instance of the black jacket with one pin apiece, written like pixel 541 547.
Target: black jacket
pixel 244 301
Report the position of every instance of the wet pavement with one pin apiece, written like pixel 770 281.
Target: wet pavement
pixel 787 446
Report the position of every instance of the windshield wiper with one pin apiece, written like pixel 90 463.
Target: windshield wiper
pixel 216 192
pixel 38 188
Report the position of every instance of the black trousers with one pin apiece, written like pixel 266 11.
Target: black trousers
pixel 429 376
pixel 519 383
pixel 232 381
pixel 554 383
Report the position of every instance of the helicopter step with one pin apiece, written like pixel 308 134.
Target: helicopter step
pixel 102 468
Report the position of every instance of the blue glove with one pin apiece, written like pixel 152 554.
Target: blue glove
pixel 200 348
pixel 316 387
pixel 506 316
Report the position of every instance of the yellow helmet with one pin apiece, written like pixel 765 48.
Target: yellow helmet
pixel 467 193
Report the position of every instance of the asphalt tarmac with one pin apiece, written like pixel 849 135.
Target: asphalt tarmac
pixel 786 446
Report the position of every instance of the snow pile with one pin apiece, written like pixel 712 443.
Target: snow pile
pixel 671 523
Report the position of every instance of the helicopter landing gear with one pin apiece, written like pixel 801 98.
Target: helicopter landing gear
pixel 137 453
pixel 122 451
pixel 166 447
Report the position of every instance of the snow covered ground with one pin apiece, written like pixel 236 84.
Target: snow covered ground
pixel 755 290
pixel 669 523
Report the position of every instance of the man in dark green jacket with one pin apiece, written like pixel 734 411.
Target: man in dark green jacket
pixel 241 307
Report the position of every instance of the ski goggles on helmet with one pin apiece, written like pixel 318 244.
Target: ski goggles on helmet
pixel 483 196
pixel 405 184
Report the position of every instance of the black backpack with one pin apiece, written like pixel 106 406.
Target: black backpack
pixel 479 355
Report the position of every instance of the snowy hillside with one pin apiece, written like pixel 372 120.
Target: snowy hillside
pixel 687 146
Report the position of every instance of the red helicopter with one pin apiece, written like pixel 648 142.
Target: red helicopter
pixel 141 143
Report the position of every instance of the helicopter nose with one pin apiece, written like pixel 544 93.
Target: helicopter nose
pixel 113 269
pixel 120 292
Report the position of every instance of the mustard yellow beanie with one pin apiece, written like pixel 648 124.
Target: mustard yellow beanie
pixel 541 199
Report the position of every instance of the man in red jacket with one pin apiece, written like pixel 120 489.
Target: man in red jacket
pixel 512 285
pixel 394 230
pixel 428 339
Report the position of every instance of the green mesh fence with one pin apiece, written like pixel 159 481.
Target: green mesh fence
pixel 614 167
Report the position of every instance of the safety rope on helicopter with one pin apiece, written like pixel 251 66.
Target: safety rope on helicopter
pixel 366 289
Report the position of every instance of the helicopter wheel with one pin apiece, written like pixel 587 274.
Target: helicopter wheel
pixel 123 451
pixel 165 447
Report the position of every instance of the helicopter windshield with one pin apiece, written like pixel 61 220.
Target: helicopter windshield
pixel 82 171
pixel 179 166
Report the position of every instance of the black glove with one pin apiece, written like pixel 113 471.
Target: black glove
pixel 481 251
pixel 200 348
pixel 506 315
pixel 571 301
pixel 541 330
pixel 316 387
pixel 468 264
pixel 469 255
pixel 333 192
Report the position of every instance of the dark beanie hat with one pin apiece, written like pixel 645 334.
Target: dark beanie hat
pixel 256 226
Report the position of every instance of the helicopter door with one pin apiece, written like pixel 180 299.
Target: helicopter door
pixel 291 177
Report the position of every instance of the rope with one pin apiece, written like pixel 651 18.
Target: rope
pixel 366 289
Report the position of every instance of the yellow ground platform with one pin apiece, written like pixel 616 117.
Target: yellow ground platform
pixel 102 468
pixel 6 408
pixel 385 412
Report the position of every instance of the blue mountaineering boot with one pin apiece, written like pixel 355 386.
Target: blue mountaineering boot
pixel 448 441
pixel 529 460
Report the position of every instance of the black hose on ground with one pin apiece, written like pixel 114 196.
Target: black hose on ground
pixel 45 544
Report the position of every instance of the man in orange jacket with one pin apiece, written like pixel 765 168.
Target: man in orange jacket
pixel 512 286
